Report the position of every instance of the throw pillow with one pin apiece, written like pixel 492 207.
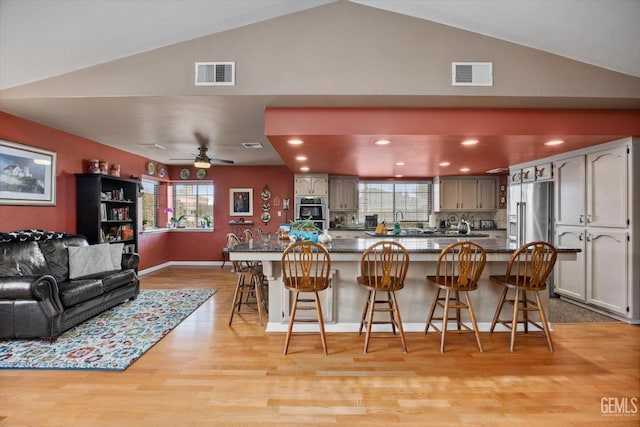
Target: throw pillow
pixel 116 255
pixel 88 260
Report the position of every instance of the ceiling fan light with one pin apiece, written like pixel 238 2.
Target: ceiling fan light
pixel 202 164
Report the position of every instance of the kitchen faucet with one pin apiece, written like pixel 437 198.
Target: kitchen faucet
pixel 396 215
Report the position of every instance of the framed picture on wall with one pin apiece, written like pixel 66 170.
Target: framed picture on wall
pixel 241 201
pixel 27 175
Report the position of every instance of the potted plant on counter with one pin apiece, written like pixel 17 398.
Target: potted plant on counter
pixel 304 229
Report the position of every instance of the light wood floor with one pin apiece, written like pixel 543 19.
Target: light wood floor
pixel 205 373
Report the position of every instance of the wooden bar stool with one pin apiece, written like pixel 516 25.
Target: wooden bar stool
pixel 305 268
pixel 383 268
pixel 527 271
pixel 459 268
pixel 248 285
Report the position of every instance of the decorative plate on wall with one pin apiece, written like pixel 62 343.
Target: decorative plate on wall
pixel 201 173
pixel 185 173
pixel 151 168
pixel 161 171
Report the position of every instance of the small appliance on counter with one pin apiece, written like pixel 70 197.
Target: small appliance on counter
pixel 487 224
pixel 370 222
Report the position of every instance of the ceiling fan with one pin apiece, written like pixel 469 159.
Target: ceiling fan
pixel 201 159
pixel 204 161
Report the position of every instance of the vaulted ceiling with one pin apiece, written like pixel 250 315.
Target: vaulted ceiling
pixel 121 73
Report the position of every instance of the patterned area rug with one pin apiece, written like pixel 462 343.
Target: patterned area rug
pixel 112 340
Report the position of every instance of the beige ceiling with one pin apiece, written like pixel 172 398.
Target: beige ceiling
pixel 121 73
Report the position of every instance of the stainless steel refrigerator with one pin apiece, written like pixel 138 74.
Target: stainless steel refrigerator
pixel 530 212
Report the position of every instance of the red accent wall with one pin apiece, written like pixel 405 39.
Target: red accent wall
pixel 154 248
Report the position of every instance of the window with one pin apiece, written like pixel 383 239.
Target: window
pixel 149 204
pixel 194 204
pixel 412 199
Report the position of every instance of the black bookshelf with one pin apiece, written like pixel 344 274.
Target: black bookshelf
pixel 107 209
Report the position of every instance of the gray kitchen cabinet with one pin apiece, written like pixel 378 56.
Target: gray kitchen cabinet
pixel 343 193
pixel 311 185
pixel 465 194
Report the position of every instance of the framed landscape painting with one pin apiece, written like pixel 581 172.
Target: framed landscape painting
pixel 241 201
pixel 27 175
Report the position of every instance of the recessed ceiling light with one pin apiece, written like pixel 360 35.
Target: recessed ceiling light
pixel 301 158
pixel 382 142
pixel 304 168
pixel 470 142
pixel 399 176
pixel 444 164
pixel 464 169
pixel 554 142
pixel 399 163
pixel 295 141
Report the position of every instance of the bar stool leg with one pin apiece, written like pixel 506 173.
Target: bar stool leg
pixel 399 319
pixel 514 324
pixel 364 314
pixel 257 287
pixel 236 295
pixel 291 319
pixel 445 320
pixel 472 314
pixel 372 299
pixel 321 324
pixel 496 316
pixel 392 311
pixel 432 311
pixel 543 318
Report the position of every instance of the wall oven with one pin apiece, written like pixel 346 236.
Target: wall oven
pixel 314 208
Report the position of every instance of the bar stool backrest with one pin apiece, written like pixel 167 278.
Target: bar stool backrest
pixel 531 265
pixel 460 265
pixel 384 266
pixel 305 267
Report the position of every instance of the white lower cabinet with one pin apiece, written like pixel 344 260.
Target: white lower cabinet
pixel 599 276
pixel 607 269
pixel 570 276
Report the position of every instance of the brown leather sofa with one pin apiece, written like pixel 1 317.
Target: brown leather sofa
pixel 37 297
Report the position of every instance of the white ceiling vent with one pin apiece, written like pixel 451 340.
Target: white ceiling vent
pixel 472 73
pixel 252 145
pixel 215 73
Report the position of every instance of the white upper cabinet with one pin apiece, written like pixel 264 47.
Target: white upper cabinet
pixel 570 191
pixel 592 190
pixel 607 188
pixel 311 185
pixel 343 193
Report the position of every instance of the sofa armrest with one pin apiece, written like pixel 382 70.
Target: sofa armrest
pixel 36 288
pixel 130 261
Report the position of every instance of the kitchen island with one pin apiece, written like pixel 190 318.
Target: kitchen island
pixel 343 302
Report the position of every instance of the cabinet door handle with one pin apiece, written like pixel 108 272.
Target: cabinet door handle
pixel 589 237
pixel 581 219
pixel 588 218
pixel 580 237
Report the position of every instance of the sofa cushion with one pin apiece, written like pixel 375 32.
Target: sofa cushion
pixel 116 255
pixel 88 260
pixel 22 259
pixel 76 291
pixel 55 252
pixel 116 279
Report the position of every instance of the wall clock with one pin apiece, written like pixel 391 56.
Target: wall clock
pixel 185 173
pixel 151 168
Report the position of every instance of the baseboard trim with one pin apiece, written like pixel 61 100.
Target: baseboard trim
pixel 179 264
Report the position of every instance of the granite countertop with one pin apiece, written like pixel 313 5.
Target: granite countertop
pixel 432 235
pixel 359 245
